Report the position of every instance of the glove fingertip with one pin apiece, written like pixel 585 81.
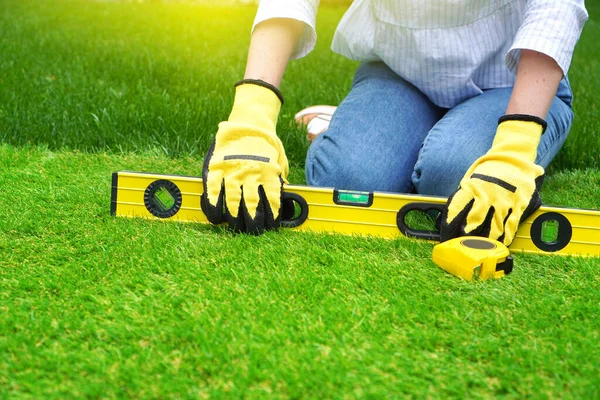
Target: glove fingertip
pixel 485 228
pixel 214 213
pixel 455 227
pixel 270 221
pixel 254 225
pixel 244 222
pixel 534 204
pixel 237 224
pixel 511 226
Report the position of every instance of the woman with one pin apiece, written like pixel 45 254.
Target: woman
pixel 467 94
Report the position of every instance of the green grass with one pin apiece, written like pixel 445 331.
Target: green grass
pixel 96 306
pixel 113 77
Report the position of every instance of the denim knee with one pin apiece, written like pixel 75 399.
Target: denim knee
pixel 438 175
pixel 326 166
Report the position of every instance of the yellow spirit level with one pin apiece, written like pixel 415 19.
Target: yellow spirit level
pixel 550 230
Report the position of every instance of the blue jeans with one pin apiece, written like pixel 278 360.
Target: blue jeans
pixel 388 136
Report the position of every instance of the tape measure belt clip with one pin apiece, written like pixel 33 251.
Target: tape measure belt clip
pixel 505 266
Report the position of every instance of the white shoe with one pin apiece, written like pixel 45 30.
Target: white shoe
pixel 316 119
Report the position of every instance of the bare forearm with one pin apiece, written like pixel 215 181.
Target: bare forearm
pixel 271 46
pixel 538 76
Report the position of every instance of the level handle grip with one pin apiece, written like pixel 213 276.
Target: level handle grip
pixel 288 206
pixel 418 233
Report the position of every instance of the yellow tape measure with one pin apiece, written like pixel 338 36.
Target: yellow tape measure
pixel 473 258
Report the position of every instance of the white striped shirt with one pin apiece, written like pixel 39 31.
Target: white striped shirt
pixel 450 49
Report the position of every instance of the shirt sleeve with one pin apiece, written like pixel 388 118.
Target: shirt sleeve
pixel 301 10
pixel 551 27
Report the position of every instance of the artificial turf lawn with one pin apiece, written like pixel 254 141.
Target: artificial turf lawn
pixel 96 306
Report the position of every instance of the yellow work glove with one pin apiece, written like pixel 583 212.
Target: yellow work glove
pixel 500 189
pixel 245 168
